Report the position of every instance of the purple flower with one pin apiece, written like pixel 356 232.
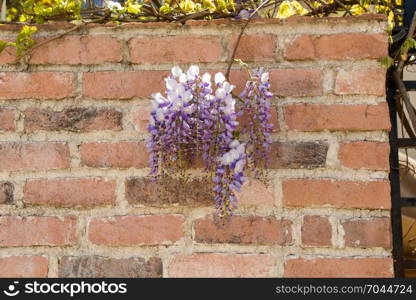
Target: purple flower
pixel 197 118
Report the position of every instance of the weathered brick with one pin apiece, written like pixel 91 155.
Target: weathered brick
pixel 37 231
pixel 23 266
pixel 136 230
pixel 318 117
pixel 37 85
pixel 33 156
pixel 145 191
pixel 244 230
pixel 78 49
pixel 254 47
pixel 175 49
pixel 114 155
pixel 222 265
pixel 73 119
pixel 338 47
pixel 367 233
pixel 339 267
pixel 107 267
pixel 6 192
pixel 7 120
pixel 123 85
pixel 140 118
pixel 296 82
pixel 316 231
pixel 348 194
pixel 70 192
pixel 366 155
pixel 361 82
pixel 198 192
pixel 298 155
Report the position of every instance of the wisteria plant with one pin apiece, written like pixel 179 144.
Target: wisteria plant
pixel 196 118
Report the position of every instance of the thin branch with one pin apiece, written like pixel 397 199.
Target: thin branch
pixel 227 74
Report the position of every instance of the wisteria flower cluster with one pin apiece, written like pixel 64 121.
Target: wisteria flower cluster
pixel 196 119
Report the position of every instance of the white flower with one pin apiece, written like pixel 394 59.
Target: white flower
pixel 171 84
pixel 209 97
pixel 264 77
pixel 182 78
pixel 112 5
pixel 158 98
pixel 160 115
pixel 187 96
pixel 176 71
pixel 220 93
pixel 219 78
pixel 241 148
pixel 227 87
pixel 234 144
pixel 206 78
pixel 193 72
pixel 239 166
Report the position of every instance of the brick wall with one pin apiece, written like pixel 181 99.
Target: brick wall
pixel 75 199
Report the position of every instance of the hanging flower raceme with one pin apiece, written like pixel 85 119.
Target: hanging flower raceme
pixel 256 96
pixel 196 118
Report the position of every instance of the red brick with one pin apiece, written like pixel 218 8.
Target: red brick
pixel 301 48
pixel 244 230
pixel 175 49
pixel 367 233
pixel 70 192
pixel 316 231
pixel 38 85
pixel 254 47
pixel 8 56
pixel 361 82
pixel 366 155
pixel 140 118
pixel 256 193
pixel 37 231
pixel 6 192
pixel 23 266
pixel 222 265
pixel 297 155
pixel 77 119
pixel 296 82
pixel 33 156
pixel 244 119
pixel 123 85
pixel 346 194
pixel 136 230
pixel 317 117
pixel 7 120
pixel 114 155
pixel 338 47
pixel 76 49
pixel 108 267
pixel 339 267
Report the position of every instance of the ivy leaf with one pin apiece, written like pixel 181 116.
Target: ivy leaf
pixel 408 44
pixel 387 61
pixel 3 45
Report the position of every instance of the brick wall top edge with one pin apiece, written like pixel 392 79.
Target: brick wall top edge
pixel 296 19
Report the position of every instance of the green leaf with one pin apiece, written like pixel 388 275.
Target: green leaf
pixel 3 45
pixel 387 61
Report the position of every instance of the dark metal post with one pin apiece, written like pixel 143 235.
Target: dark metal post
pixel 396 214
